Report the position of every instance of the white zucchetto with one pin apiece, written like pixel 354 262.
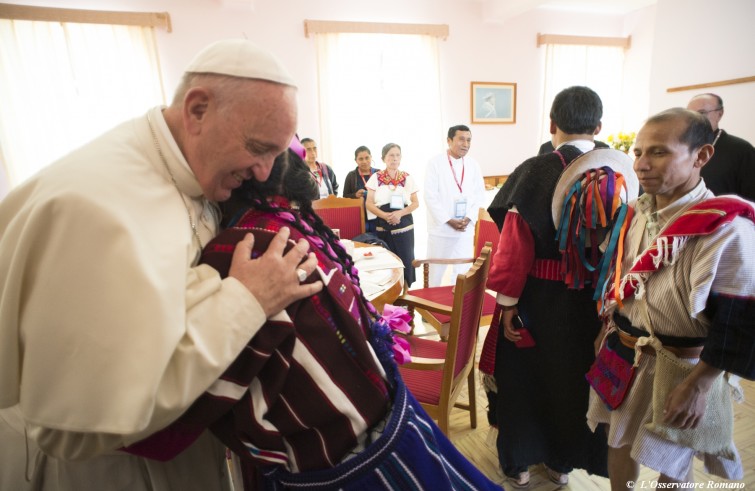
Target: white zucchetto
pixel 240 58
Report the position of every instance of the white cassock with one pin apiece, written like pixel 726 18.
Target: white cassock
pixel 441 192
pixel 108 328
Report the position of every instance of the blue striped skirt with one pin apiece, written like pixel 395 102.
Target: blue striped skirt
pixel 411 454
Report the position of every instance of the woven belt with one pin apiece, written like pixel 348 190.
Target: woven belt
pixel 546 269
pixel 686 352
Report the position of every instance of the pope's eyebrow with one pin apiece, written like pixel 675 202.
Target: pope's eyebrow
pixel 256 146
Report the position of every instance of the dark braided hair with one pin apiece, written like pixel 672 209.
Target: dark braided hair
pixel 290 179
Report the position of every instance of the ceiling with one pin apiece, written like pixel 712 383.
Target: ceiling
pixel 501 10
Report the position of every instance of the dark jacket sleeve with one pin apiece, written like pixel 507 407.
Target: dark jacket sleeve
pixel 333 180
pixel 731 340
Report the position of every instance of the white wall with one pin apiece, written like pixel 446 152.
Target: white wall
pixel 677 42
pixel 698 41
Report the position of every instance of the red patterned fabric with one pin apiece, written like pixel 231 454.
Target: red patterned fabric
pixel 701 219
pixel 487 356
pixel 546 269
pixel 611 376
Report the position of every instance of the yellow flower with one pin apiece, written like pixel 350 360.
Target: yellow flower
pixel 622 141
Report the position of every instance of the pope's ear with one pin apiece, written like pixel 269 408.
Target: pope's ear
pixel 196 103
pixel 704 154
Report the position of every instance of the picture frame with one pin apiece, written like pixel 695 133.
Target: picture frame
pixel 493 102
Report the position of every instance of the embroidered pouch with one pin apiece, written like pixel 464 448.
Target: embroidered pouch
pixel 611 374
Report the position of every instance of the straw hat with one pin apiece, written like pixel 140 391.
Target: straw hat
pixel 620 162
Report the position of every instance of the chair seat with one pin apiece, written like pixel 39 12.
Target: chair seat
pixel 424 384
pixel 444 295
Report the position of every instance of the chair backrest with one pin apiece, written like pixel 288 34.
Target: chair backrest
pixel 485 230
pixel 465 319
pixel 344 214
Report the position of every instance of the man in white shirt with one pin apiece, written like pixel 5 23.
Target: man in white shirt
pixel 454 193
pixel 109 328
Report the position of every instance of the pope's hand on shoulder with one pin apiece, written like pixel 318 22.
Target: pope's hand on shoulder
pixel 272 278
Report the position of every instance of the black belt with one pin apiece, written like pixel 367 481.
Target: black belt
pixel 674 341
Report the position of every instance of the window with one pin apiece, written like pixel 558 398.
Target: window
pixel 599 67
pixel 375 89
pixel 63 83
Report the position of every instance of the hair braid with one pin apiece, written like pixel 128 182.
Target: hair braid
pixel 290 178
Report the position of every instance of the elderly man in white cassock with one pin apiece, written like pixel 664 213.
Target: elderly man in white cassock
pixel 109 330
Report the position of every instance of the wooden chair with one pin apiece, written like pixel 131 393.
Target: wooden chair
pixel 344 214
pixel 438 369
pixel 486 234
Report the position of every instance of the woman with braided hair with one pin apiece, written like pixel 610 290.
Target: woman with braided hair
pixel 315 399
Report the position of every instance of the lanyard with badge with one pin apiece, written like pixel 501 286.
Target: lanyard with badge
pixel 364 181
pixel 319 179
pixel 460 203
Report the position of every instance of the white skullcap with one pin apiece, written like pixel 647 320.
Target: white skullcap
pixel 240 58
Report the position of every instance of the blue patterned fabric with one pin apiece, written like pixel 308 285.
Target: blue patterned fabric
pixel 412 454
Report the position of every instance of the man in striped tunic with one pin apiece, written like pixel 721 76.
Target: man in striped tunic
pixel 689 259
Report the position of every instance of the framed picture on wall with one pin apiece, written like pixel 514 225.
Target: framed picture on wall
pixel 493 102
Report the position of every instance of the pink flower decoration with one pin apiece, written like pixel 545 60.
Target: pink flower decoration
pixel 398 319
pixel 401 350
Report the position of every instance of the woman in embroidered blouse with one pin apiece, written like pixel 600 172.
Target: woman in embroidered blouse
pixel 356 181
pixel 391 198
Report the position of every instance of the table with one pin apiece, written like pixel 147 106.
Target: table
pixel 381 274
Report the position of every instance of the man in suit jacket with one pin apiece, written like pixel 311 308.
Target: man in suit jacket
pixel 731 170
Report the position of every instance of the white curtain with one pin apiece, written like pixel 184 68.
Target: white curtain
pixel 599 67
pixel 375 89
pixel 62 84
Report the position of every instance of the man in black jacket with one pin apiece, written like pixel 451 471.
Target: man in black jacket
pixel 731 170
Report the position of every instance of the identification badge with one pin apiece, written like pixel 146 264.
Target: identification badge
pixel 397 201
pixel 460 207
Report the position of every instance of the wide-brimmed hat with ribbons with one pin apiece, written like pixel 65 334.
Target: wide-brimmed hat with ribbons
pixel 591 214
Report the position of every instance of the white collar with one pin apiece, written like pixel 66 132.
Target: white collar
pixel 582 145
